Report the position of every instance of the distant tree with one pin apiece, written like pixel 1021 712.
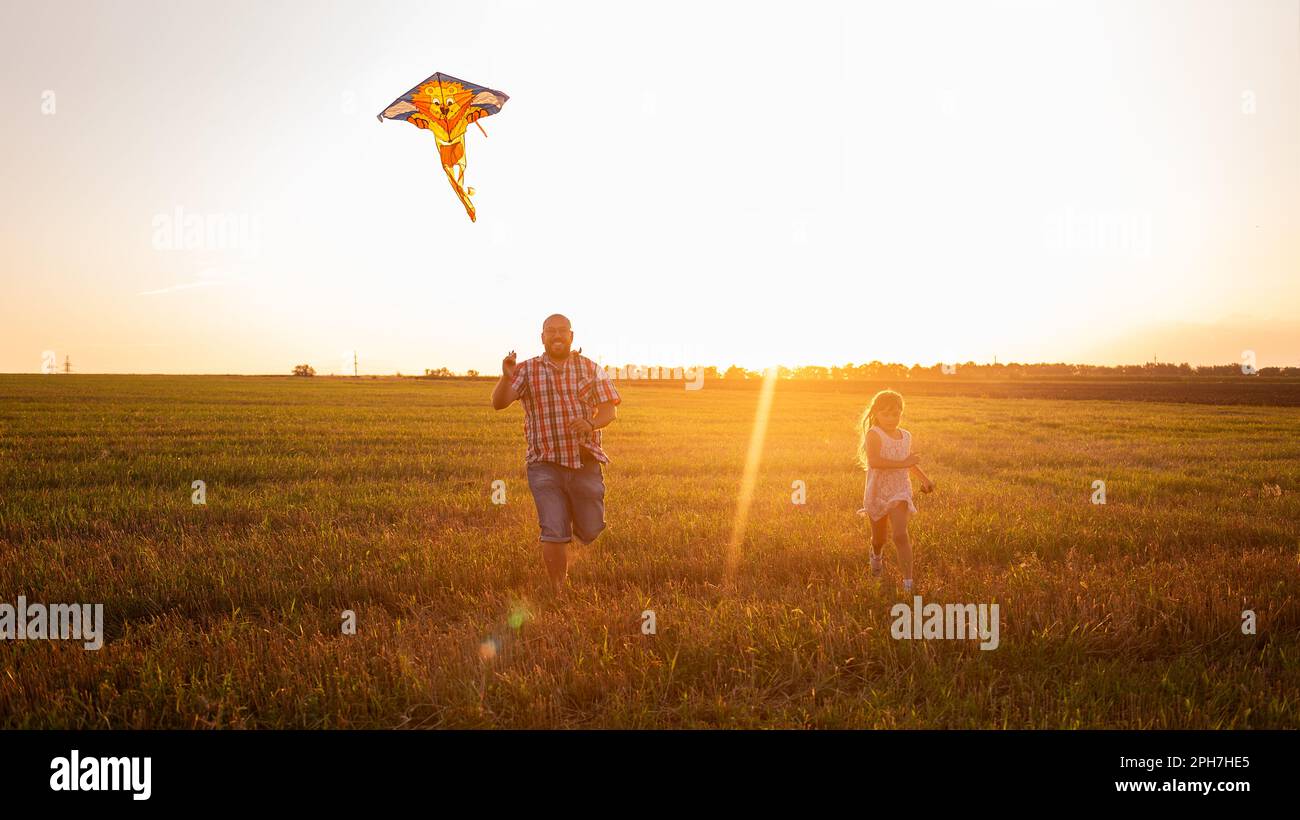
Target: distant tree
pixel 734 372
pixel 811 371
pixel 304 370
pixel 473 374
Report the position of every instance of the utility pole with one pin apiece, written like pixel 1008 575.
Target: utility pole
pixel 67 364
pixel 354 364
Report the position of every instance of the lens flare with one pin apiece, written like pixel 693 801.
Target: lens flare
pixel 750 478
pixel 518 614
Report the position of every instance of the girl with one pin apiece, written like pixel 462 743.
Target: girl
pixel 885 451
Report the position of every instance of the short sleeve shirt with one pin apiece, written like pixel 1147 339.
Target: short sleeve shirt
pixel 553 395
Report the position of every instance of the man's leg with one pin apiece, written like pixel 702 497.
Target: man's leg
pixel 555 554
pixel 587 500
pixel 547 482
pixel 583 518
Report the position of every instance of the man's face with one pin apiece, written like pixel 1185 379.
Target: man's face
pixel 556 338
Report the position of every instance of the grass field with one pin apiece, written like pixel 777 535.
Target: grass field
pixel 327 495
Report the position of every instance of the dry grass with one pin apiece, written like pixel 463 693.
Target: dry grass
pixel 374 496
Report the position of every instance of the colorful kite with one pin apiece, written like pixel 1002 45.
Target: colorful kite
pixel 446 106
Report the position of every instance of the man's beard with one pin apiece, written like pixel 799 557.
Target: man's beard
pixel 558 349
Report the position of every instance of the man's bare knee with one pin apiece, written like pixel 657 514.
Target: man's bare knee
pixel 582 539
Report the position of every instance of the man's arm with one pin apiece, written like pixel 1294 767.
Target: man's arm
pixel 606 412
pixel 504 395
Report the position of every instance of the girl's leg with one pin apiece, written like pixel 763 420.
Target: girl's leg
pixel 879 534
pixel 898 515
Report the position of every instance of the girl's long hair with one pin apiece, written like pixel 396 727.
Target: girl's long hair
pixel 884 400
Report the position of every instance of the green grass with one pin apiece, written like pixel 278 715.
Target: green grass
pixel 374 496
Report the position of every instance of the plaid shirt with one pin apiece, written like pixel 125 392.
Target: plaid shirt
pixel 552 396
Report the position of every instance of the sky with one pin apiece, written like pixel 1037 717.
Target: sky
pixel 690 183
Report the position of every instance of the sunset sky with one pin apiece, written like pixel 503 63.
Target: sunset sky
pixel 689 182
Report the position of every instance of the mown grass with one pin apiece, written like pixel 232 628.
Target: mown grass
pixel 374 496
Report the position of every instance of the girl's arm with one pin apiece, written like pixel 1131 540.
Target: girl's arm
pixel 876 462
pixel 926 483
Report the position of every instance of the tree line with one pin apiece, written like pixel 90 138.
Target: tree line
pixel 877 371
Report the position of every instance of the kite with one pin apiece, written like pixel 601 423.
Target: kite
pixel 446 106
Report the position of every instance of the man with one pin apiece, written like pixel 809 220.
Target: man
pixel 567 399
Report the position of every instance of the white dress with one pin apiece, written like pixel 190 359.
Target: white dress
pixel 886 486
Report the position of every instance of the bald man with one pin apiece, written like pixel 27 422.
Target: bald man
pixel 567 399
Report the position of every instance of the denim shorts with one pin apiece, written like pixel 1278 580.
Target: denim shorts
pixel 569 502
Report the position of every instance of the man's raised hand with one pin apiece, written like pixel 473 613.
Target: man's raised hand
pixel 503 395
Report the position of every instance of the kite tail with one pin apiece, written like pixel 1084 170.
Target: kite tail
pixel 460 192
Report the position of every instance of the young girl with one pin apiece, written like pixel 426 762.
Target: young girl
pixel 885 451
